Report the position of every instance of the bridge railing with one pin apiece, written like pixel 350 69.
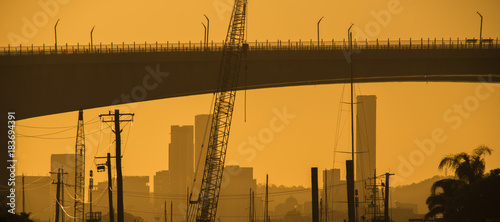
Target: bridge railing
pixel 146 47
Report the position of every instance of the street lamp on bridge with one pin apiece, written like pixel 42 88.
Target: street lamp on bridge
pixel 91 40
pixel 208 29
pixel 55 33
pixel 204 36
pixel 318 28
pixel 480 31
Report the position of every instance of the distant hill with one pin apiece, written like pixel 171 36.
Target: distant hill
pixel 415 193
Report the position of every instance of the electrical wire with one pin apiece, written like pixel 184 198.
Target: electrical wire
pixel 98 142
pixel 51 138
pixel 126 140
pixel 63 208
pixel 41 210
pixel 48 134
pixel 56 127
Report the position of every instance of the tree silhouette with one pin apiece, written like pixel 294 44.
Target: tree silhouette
pixel 468 168
pixel 472 196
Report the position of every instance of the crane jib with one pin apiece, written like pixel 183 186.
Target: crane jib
pixel 204 208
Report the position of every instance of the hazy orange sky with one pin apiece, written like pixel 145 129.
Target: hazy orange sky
pixel 406 111
pixel 403 116
pixel 166 20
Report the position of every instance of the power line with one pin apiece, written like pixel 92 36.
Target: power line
pixel 57 127
pixel 53 138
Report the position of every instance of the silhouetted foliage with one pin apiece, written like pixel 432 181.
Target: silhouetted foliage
pixel 472 196
pixel 6 216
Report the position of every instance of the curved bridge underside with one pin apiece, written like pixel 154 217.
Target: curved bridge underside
pixel 37 85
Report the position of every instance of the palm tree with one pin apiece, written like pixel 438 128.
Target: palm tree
pixel 447 199
pixel 452 198
pixel 468 168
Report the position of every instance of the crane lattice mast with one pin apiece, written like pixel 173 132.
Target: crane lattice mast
pixel 79 170
pixel 204 208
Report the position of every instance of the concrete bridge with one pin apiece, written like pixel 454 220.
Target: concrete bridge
pixel 43 80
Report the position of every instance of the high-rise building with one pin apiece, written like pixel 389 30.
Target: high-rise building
pixel 202 125
pixel 161 185
pixel 235 194
pixel 365 146
pixel 181 158
pixel 136 196
pixel 334 200
pixel 181 167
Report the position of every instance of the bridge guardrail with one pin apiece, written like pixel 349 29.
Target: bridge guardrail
pixel 253 46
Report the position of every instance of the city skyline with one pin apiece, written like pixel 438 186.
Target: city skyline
pixel 410 95
pixel 244 155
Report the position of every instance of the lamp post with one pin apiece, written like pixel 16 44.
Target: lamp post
pixel 208 29
pixel 55 33
pixel 91 40
pixel 480 31
pixel 350 165
pixel 318 28
pixel 204 36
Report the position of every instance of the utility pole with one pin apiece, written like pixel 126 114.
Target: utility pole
pixel 266 210
pixel 165 211
pixel 118 143
pixel 250 207
pixel 23 195
pixel 171 211
pixel 58 194
pixel 326 194
pixel 101 168
pixel 117 130
pixel 110 190
pixel 91 186
pixel 374 194
pixel 386 200
pixel 253 207
pixel 62 195
pixel 314 193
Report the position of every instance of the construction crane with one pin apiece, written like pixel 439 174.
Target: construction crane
pixel 204 208
pixel 79 170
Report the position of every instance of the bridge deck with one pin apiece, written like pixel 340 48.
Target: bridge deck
pixel 42 84
pixel 253 46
